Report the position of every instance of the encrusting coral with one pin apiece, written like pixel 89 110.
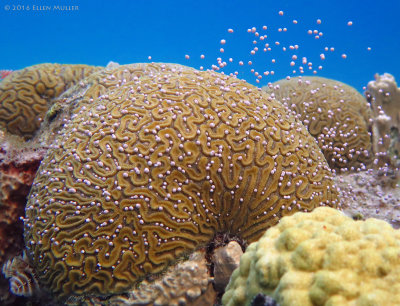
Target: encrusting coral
pixel 153 162
pixel 384 96
pixel 334 113
pixel 321 258
pixel 25 95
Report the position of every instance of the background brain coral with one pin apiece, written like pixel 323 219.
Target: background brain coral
pixel 154 161
pixel 321 258
pixel 25 94
pixel 337 115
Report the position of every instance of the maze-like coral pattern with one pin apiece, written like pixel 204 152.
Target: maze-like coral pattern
pixel 337 115
pixel 25 95
pixel 154 161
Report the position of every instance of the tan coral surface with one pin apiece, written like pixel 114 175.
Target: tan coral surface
pixel 337 115
pixel 384 96
pixel 187 283
pixel 25 94
pixel 153 162
pixel 321 258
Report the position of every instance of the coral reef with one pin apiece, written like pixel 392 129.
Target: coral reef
pixel 321 258
pixel 334 113
pixel 151 161
pixel 384 96
pixel 25 95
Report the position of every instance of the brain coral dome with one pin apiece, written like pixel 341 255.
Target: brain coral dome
pixel 26 94
pixel 336 114
pixel 155 160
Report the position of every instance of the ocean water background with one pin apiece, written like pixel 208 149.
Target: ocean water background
pixel 96 32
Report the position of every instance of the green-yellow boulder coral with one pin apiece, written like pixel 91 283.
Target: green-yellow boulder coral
pixel 321 258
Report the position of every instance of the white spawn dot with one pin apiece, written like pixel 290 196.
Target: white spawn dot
pixel 350 23
pixel 202 56
pixel 149 58
pixel 230 30
pixel 187 56
pixel 369 48
pixel 221 50
pixel 344 56
pixel 223 41
pixel 295 21
pixel 319 21
pixel 281 13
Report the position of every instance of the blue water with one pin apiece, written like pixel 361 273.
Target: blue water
pixel 96 32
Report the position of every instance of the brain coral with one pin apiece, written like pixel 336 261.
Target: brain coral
pixel 25 94
pixel 321 258
pixel 153 162
pixel 334 113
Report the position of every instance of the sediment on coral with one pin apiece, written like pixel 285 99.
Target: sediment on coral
pixel 335 114
pixel 150 162
pixel 370 194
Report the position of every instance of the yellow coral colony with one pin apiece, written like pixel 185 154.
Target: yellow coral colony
pixel 154 161
pixel 26 94
pixel 335 114
pixel 321 258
